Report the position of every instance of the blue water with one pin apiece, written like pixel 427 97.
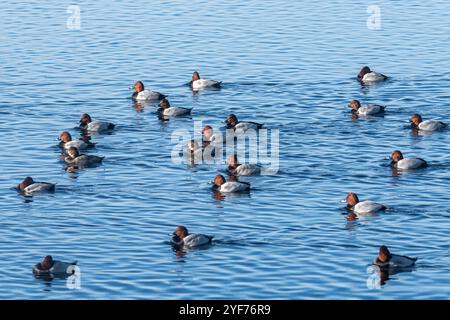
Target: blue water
pixel 290 65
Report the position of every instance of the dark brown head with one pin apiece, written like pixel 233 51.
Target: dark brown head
pixel 181 232
pixel 65 137
pixel 28 181
pixel 231 120
pixel 164 104
pixel 73 153
pixel 85 119
pixel 363 72
pixel 415 120
pixel 219 180
pixel 354 104
pixel 384 255
pixel 138 86
pixel 195 76
pixel 396 156
pixel 232 162
pixel 351 199
pixel 207 132
pixel 47 263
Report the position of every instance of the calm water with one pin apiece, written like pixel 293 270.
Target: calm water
pixel 290 65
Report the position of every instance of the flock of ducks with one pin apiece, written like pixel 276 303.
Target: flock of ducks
pixel 181 238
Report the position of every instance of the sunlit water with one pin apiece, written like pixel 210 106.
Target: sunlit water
pixel 290 65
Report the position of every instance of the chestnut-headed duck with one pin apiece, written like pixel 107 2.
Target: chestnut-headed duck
pixel 86 123
pixel 232 185
pixel 366 109
pixel 28 186
pixel 209 137
pixel 385 259
pixel 181 237
pixel 49 266
pixel 427 125
pixel 74 158
pixel 406 163
pixel 367 76
pixel 362 207
pixel 197 83
pixel 67 142
pixel 141 94
pixel 238 169
pixel 166 110
pixel 233 123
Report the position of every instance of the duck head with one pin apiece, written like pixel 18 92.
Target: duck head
pixel 354 105
pixel 65 137
pixel 85 119
pixel 415 120
pixel 73 153
pixel 164 104
pixel 28 181
pixel 231 120
pixel 47 263
pixel 351 199
pixel 384 254
pixel 138 86
pixel 363 72
pixel 207 132
pixel 232 162
pixel 396 156
pixel 179 234
pixel 195 76
pixel 219 180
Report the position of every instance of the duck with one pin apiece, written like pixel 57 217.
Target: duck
pixel 28 186
pixel 367 109
pixel 241 169
pixel 74 158
pixel 230 186
pixel 367 76
pixel 233 123
pixel 386 259
pixel 54 267
pixel 197 83
pixel 209 137
pixel 141 94
pixel 361 208
pixel 166 110
pixel 181 237
pixel 67 142
pixel 86 123
pixel 427 125
pixel 406 163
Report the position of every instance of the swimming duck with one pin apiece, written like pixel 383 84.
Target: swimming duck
pixel 166 110
pixel 241 169
pixel 67 142
pixel 142 94
pixel 362 207
pixel 49 266
pixel 86 123
pixel 427 125
pixel 233 123
pixel 232 185
pixel 28 186
pixel 181 237
pixel 385 259
pixel 209 137
pixel 198 83
pixel 367 76
pixel 367 109
pixel 81 160
pixel 406 163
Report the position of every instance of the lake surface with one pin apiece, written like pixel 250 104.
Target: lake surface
pixel 290 65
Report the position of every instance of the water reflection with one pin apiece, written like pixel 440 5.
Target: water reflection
pixel 379 276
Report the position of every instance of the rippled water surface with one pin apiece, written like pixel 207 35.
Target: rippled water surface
pixel 288 64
